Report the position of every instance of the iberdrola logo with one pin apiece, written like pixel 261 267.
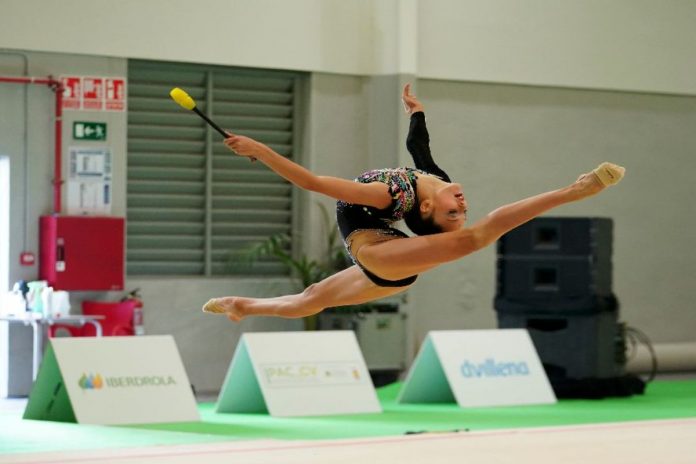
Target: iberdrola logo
pixel 90 382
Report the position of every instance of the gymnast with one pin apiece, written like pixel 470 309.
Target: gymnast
pixel 386 260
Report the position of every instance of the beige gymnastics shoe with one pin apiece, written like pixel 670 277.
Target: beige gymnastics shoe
pixel 609 173
pixel 213 307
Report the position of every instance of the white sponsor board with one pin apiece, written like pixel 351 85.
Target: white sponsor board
pixel 298 374
pixel 477 368
pixel 112 380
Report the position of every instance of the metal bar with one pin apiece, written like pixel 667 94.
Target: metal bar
pixel 297 207
pixel 37 328
pixel 57 88
pixel 58 149
pixel 208 239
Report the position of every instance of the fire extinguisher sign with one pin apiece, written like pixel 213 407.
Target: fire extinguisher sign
pixel 115 94
pixel 72 92
pixel 94 93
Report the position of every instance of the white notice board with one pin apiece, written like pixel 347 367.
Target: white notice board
pixel 89 181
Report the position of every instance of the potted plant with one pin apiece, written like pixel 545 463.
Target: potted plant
pixel 303 270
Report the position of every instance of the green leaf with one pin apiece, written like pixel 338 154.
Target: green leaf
pixel 306 271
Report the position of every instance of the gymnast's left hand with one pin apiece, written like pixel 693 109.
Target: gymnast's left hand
pixel 411 103
pixel 245 146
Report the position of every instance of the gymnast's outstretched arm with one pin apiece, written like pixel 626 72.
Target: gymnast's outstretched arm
pixel 418 139
pixel 374 194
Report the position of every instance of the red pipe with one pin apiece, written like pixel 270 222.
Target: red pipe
pixel 27 80
pixel 57 88
pixel 58 159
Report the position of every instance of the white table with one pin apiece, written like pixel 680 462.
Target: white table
pixel 38 322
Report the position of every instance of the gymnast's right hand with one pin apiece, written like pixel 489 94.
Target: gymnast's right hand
pixel 245 146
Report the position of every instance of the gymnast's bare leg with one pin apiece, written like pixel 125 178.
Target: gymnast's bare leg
pixel 398 259
pixel 347 287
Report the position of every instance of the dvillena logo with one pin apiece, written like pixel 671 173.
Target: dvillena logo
pixel 492 368
pixel 90 382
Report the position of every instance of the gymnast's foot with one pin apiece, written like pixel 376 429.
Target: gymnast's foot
pixel 232 306
pixel 609 173
pixel 603 176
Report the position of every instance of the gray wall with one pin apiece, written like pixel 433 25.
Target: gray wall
pixel 31 176
pixel 501 141
pixel 504 142
pixel 621 44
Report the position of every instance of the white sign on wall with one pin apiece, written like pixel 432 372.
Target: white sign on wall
pixel 477 368
pixel 112 380
pixel 89 181
pixel 298 374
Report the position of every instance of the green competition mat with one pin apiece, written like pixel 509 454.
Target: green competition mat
pixel 667 399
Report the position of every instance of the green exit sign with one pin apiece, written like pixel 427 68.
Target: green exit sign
pixel 89 130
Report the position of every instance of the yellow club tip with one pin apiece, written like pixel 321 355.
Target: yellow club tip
pixel 182 98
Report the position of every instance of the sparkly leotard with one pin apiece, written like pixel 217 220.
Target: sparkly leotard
pixel 353 219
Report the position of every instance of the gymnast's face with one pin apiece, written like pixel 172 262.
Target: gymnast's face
pixel 449 207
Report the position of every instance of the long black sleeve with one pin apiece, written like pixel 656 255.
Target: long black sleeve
pixel 418 144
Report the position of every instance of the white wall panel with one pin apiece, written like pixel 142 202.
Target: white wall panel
pixel 634 45
pixel 637 45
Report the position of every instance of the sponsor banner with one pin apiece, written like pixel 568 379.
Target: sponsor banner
pixel 112 380
pixel 298 374
pixel 311 374
pixel 478 368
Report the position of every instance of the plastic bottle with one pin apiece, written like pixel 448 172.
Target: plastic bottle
pixel 138 326
pixel 47 302
pixel 34 300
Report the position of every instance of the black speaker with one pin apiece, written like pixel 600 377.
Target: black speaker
pixel 556 264
pixel 590 304
pixel 560 236
pixel 577 346
pixel 554 278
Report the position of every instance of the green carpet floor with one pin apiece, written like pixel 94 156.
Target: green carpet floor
pixel 663 400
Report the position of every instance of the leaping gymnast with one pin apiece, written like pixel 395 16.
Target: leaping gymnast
pixel 387 261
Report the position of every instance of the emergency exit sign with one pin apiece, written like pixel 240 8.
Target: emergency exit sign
pixel 89 130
